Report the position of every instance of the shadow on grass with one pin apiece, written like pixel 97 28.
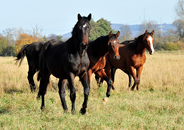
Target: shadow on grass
pixel 3 110
pixel 13 90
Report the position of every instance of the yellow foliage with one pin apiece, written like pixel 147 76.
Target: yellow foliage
pixel 23 40
pixel 180 44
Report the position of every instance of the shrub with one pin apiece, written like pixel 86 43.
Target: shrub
pixel 170 46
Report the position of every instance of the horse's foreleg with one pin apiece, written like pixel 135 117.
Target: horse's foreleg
pixel 61 85
pixel 138 75
pixel 103 75
pixel 71 77
pixel 85 80
pixel 108 73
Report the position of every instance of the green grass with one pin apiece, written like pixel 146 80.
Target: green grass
pixel 159 104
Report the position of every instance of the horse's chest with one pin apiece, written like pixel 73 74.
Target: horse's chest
pixel 78 64
pixel 138 61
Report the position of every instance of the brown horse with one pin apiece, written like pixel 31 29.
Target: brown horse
pixel 132 57
pixel 66 61
pixel 97 50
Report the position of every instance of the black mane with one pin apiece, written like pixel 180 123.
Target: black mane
pixel 133 45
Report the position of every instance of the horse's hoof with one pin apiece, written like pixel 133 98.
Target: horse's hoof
pixel 73 112
pixel 113 88
pixel 38 97
pixel 83 111
pixel 132 89
pixel 66 111
pixel 105 99
pixel 33 88
pixel 42 108
pixel 128 89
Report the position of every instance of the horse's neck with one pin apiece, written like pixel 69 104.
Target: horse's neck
pixel 76 46
pixel 140 48
pixel 100 47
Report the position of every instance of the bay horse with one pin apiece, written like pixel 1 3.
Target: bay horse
pixel 31 51
pixel 132 57
pixel 97 50
pixel 66 60
pixel 113 70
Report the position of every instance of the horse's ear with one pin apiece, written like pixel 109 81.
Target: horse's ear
pixel 152 32
pixel 110 34
pixel 146 32
pixel 117 34
pixel 89 17
pixel 79 17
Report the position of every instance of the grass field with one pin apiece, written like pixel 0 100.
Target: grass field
pixel 159 104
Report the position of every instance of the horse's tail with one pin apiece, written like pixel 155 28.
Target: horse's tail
pixel 41 63
pixel 21 54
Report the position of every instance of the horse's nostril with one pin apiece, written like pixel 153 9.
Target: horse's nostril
pixel 116 57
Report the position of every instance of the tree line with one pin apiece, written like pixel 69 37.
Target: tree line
pixel 12 40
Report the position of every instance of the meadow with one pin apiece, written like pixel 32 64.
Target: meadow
pixel 158 105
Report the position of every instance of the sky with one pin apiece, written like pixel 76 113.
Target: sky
pixel 59 16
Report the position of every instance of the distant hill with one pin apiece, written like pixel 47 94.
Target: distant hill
pixel 134 29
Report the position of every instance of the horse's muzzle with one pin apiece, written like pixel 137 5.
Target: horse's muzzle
pixel 116 57
pixel 151 52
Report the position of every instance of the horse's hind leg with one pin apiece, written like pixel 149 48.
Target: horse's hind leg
pixel 31 72
pixel 97 80
pixel 133 73
pixel 129 77
pixel 43 87
pixel 62 84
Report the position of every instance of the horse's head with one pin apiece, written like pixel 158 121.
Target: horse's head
pixel 148 41
pixel 82 29
pixel 113 45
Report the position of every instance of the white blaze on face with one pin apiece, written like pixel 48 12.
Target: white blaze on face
pixel 151 43
pixel 84 25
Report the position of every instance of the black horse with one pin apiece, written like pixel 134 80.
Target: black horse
pixel 65 61
pixel 31 51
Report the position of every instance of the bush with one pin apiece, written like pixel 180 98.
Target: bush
pixel 9 51
pixel 170 46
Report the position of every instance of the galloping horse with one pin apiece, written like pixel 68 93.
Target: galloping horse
pixel 97 50
pixel 132 57
pixel 31 51
pixel 65 61
pixel 113 70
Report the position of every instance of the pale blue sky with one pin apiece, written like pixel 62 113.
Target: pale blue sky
pixel 59 16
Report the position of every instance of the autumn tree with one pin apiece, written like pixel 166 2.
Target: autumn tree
pixel 23 40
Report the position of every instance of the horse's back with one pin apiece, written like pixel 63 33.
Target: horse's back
pixel 54 56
